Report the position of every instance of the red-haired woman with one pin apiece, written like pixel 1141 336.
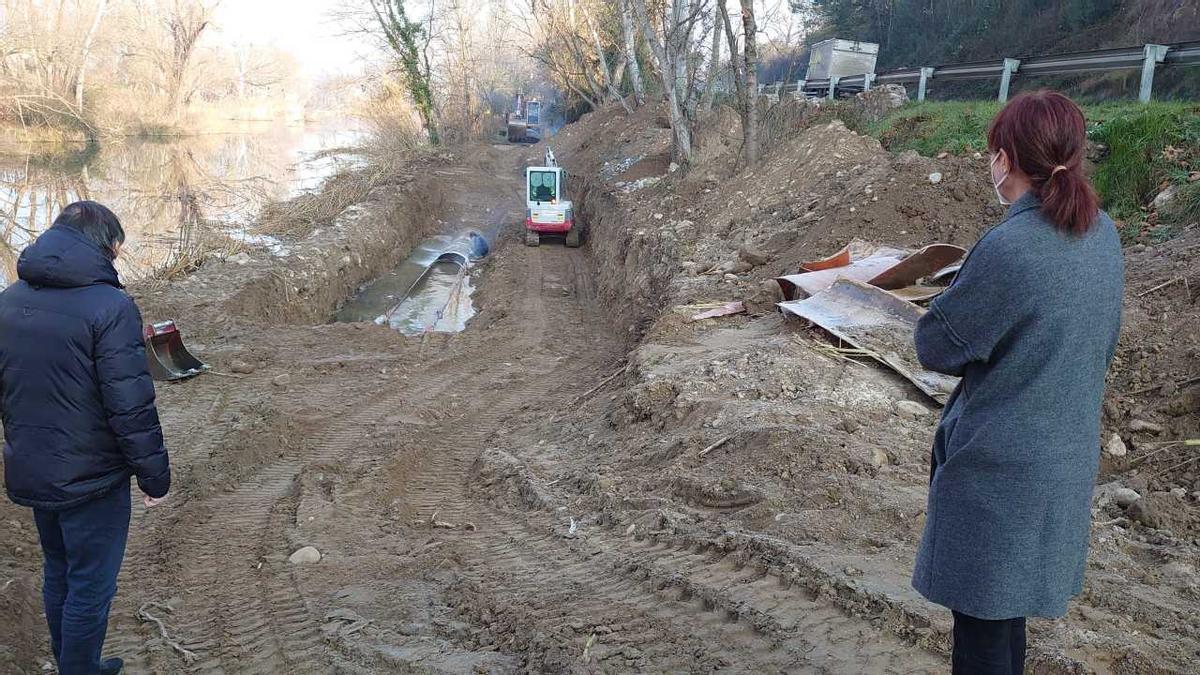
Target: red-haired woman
pixel 1030 325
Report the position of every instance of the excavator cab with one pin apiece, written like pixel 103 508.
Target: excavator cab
pixel 547 208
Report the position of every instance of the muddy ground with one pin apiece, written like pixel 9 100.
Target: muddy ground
pixel 584 480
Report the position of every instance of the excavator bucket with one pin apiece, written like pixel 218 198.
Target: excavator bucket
pixel 168 358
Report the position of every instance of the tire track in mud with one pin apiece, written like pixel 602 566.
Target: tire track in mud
pixel 667 609
pixel 658 606
pixel 625 603
pixel 223 558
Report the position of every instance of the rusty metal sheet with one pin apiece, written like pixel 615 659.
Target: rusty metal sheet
pixel 839 259
pixel 919 265
pixel 877 322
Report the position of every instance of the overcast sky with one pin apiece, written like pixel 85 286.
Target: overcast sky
pixel 306 29
pixel 302 27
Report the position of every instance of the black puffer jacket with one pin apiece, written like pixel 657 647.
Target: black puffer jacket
pixel 77 398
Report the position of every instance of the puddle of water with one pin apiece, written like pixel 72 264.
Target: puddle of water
pixel 441 302
pixel 168 193
pixel 429 291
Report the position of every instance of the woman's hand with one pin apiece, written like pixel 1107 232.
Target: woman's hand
pixel 151 502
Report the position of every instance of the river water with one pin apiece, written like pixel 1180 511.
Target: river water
pixel 167 193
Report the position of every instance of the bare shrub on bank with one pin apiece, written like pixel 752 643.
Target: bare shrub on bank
pixel 393 135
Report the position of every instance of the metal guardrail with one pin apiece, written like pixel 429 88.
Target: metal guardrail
pixel 1146 57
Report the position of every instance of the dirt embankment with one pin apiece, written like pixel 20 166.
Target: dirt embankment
pixel 743 434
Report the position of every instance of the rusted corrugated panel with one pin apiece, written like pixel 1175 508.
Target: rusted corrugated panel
pixel 918 266
pixel 839 259
pixel 877 322
pixel 889 268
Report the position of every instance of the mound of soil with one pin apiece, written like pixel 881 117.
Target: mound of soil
pixel 751 424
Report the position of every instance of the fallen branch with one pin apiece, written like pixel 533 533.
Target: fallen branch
pixel 1161 286
pixel 1163 447
pixel 714 446
pixel 582 397
pixel 1153 387
pixel 189 656
pixel 1187 461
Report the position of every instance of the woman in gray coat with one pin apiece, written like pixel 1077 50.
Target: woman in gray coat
pixel 1030 325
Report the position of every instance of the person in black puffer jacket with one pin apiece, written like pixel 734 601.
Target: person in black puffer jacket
pixel 79 420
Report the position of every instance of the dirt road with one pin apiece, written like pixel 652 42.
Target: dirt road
pixel 456 533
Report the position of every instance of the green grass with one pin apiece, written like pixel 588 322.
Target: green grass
pixel 1149 147
pixel 930 128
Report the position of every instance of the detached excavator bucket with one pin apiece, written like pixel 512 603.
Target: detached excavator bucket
pixel 168 358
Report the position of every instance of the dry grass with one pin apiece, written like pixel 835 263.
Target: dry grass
pixel 189 255
pixel 299 216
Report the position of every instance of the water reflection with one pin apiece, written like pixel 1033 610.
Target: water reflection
pixel 174 196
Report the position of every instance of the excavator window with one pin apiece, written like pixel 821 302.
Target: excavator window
pixel 542 186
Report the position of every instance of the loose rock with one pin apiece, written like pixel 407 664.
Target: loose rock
pixel 308 554
pixel 911 409
pixel 282 380
pixel 1115 447
pixel 241 367
pixel 1137 426
pixel 879 457
pixel 935 177
pixel 752 257
pixel 1141 511
pixel 1123 497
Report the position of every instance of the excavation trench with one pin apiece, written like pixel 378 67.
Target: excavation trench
pixel 429 291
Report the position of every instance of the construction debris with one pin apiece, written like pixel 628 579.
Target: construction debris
pixel 899 271
pixel 736 307
pixel 877 322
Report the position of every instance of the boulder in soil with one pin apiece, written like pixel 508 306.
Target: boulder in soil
pixel 911 410
pixel 1115 447
pixel 305 556
pixel 1142 511
pixel 753 257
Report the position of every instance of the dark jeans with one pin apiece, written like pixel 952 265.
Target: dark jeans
pixel 985 647
pixel 83 548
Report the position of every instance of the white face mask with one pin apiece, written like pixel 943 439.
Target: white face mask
pixel 997 183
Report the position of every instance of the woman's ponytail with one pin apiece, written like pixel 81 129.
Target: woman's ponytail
pixel 1068 199
pixel 1045 134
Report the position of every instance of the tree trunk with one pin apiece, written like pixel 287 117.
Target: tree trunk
pixel 750 132
pixel 604 71
pixel 631 62
pixel 85 53
pixel 665 63
pixel 714 64
pixel 619 70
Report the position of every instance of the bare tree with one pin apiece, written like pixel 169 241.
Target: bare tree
pixel 714 64
pixel 409 41
pixel 185 21
pixel 669 54
pixel 745 63
pixel 85 53
pixel 629 35
pixel 609 79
